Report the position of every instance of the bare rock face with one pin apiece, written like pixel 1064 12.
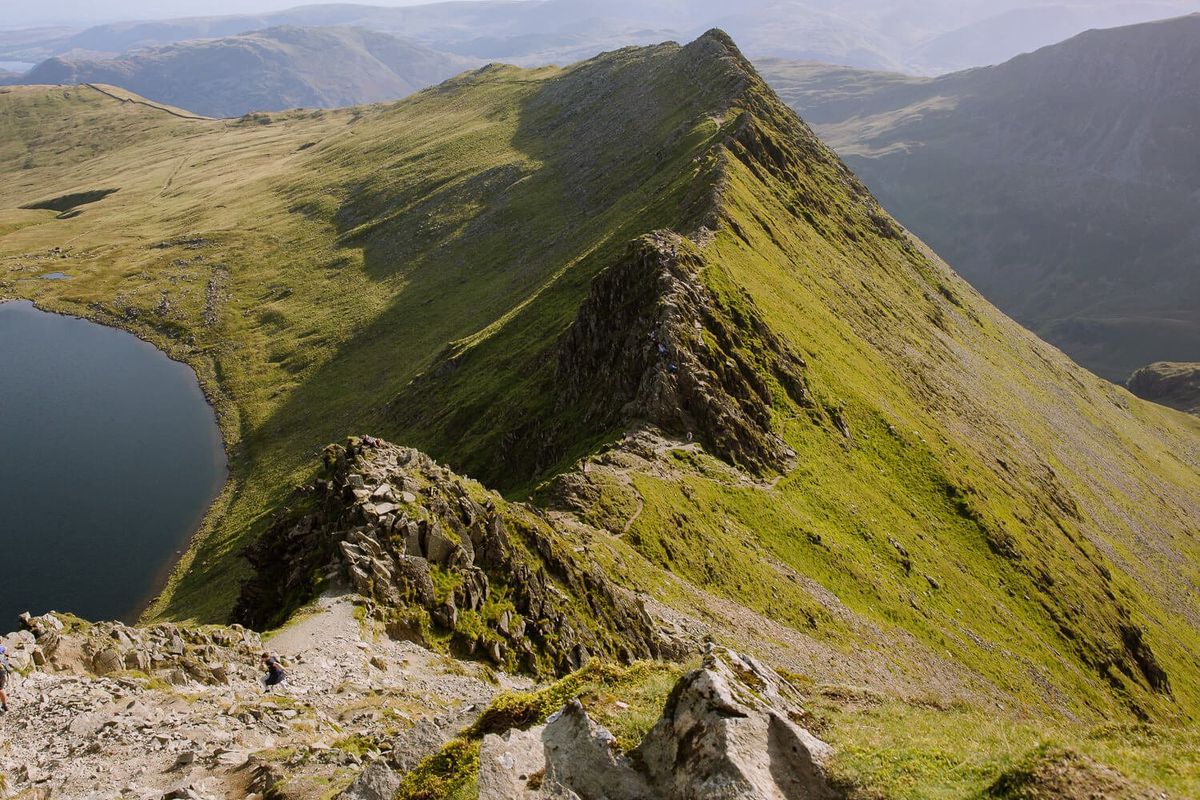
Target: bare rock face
pixel 377 782
pixel 653 342
pixel 729 730
pixel 439 553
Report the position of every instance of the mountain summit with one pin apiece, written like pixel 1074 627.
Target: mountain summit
pixel 721 393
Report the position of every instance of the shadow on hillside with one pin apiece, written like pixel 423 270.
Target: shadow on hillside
pixel 493 249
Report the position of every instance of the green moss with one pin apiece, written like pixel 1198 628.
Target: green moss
pixel 625 699
pixel 356 744
pixel 448 773
pixel 444 582
pixel 600 686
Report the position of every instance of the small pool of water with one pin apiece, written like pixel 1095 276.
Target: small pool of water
pixel 55 276
pixel 109 458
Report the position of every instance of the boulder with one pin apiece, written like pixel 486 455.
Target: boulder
pixel 376 782
pixel 512 764
pixel 107 660
pixel 727 733
pixel 581 756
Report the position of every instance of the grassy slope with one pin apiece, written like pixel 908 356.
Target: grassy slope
pixel 456 233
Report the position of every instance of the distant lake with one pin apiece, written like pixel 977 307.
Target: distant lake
pixel 16 66
pixel 109 458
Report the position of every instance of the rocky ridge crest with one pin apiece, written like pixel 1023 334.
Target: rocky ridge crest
pixel 1173 384
pixel 653 343
pixel 443 559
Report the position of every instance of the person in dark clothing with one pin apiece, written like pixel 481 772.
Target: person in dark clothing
pixel 275 674
pixel 5 668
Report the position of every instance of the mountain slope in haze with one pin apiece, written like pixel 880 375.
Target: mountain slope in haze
pixel 639 294
pixel 1064 184
pixel 922 36
pixel 1031 26
pixel 266 70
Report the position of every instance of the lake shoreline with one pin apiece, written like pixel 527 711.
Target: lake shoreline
pixel 221 453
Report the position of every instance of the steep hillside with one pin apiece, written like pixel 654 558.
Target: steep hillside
pixel 266 70
pixel 1174 385
pixel 1063 184
pixel 640 295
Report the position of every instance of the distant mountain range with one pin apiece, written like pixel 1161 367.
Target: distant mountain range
pixel 268 70
pixel 921 36
pixel 1064 184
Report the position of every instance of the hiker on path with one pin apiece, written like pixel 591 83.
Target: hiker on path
pixel 275 674
pixel 5 668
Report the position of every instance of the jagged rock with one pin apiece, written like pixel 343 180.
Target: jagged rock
pixel 652 342
pixel 580 756
pixel 468 545
pixel 727 732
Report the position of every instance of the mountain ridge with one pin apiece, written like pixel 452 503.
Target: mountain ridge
pixel 963 513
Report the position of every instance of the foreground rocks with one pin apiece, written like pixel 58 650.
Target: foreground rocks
pixel 730 730
pixel 352 700
pixel 358 712
pixel 438 554
pixel 182 654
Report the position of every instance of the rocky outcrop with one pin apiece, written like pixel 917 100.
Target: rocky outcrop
pixel 1172 384
pixel 356 711
pixel 178 654
pixel 729 730
pixel 653 342
pixel 443 559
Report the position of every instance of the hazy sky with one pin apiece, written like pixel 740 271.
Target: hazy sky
pixel 22 13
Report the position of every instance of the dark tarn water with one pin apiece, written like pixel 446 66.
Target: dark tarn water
pixel 109 458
